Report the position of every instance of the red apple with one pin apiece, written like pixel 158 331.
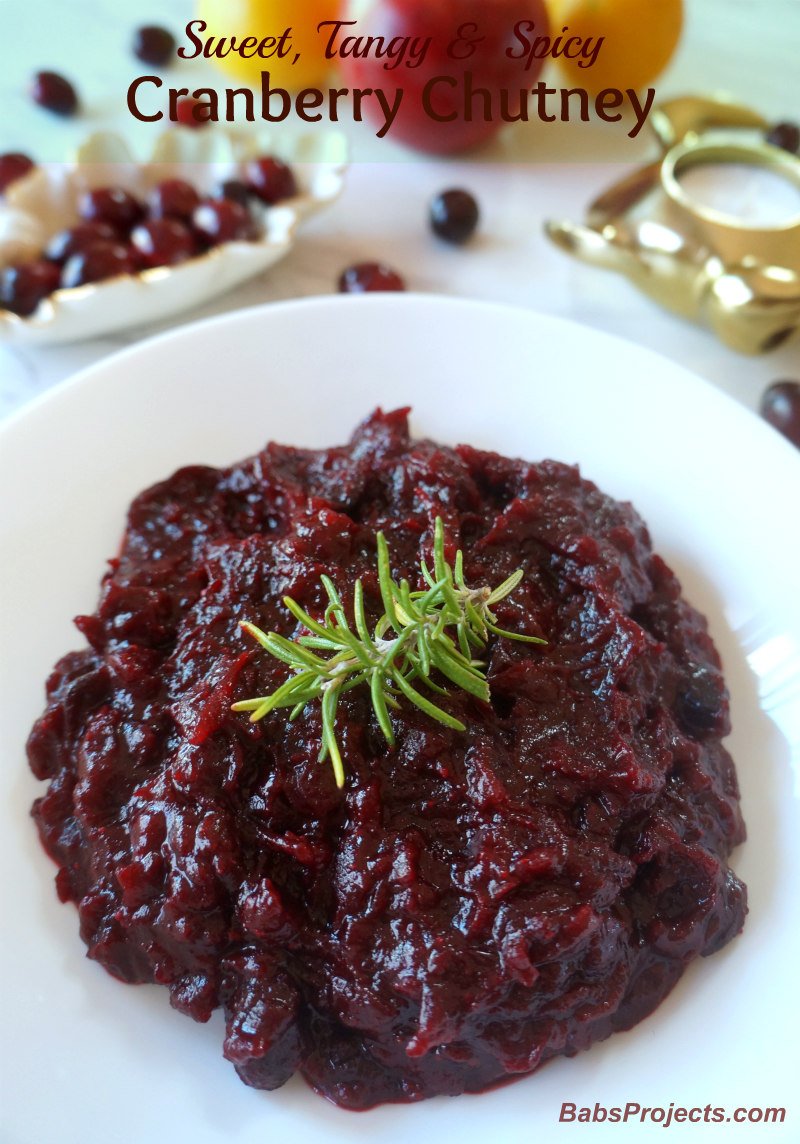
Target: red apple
pixel 451 24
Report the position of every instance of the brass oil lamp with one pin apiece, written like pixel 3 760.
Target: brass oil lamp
pixel 739 277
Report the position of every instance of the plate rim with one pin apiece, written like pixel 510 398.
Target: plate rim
pixel 405 299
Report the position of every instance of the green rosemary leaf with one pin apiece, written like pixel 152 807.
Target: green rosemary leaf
pixel 477 621
pixel 463 677
pixel 385 582
pixel 260 711
pixel 361 618
pixel 441 624
pixel 412 612
pixel 333 595
pixel 379 705
pixel 426 575
pixel 292 653
pixel 304 618
pixel 424 649
pixel 335 609
pixel 470 637
pixel 465 660
pixel 518 636
pixel 301 687
pixel 249 704
pixel 392 652
pixel 329 702
pixel 255 632
pixel 414 672
pixel 404 620
pixel 506 588
pixel 319 642
pixel 451 601
pixel 425 704
pixel 440 566
pixel 473 638
pixel 458 571
pixel 355 681
pixel 463 639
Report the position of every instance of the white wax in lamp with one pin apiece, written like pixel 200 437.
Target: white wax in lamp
pixel 753 195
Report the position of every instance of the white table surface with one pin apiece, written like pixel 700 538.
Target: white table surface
pixel 540 171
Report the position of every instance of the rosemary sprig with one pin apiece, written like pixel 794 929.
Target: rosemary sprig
pixel 408 642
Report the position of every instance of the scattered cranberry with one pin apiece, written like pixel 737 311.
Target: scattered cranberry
pixel 454 216
pixel 223 220
pixel 786 136
pixel 68 242
pixel 52 91
pixel 366 277
pixel 96 262
pixel 12 167
pixel 22 287
pixel 111 205
pixel 237 190
pixel 780 406
pixel 174 198
pixel 163 242
pixel 184 113
pixel 271 179
pixel 154 45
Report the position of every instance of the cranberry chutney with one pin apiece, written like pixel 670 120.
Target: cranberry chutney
pixel 471 903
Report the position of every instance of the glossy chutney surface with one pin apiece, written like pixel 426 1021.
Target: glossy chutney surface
pixel 471 903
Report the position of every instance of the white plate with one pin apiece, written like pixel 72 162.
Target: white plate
pixel 86 1059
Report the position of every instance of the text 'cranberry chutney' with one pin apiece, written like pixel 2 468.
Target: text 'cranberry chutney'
pixel 470 902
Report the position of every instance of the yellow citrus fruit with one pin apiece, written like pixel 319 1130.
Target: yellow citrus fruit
pixel 639 39
pixel 264 18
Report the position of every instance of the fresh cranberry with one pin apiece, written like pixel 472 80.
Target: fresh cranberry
pixel 154 45
pixel 111 205
pixel 454 216
pixel 163 242
pixel 96 262
pixel 52 91
pixel 271 179
pixel 366 277
pixel 223 220
pixel 780 406
pixel 184 113
pixel 698 703
pixel 786 136
pixel 22 287
pixel 12 167
pixel 235 189
pixel 174 198
pixel 68 242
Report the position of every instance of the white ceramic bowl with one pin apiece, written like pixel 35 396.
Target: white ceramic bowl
pixel 46 201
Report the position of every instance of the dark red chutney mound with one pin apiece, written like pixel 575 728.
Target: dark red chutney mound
pixel 471 903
